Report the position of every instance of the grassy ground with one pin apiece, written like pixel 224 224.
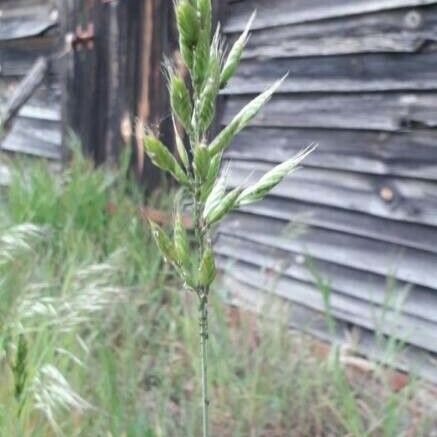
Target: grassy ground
pixel 98 339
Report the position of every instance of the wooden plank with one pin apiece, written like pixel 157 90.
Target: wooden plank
pixel 9 7
pixel 28 21
pixel 376 111
pixel 24 91
pixel 418 301
pixel 34 137
pixel 280 12
pixel 359 312
pixel 399 31
pixel 353 73
pixel 406 264
pixel 158 39
pixel 412 201
pixel 17 58
pixel 122 70
pixel 408 358
pixel 412 154
pixel 305 214
pixel 44 105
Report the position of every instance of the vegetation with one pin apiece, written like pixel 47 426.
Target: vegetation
pixel 193 107
pixel 97 337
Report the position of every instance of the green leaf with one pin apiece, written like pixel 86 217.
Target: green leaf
pixel 272 178
pixel 242 119
pixel 234 56
pixel 162 158
pixel 207 270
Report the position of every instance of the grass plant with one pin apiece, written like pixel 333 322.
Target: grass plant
pixel 129 366
pixel 198 169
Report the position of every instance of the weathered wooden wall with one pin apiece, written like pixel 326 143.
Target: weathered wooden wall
pixel 104 79
pixel 113 84
pixel 28 30
pixel 363 85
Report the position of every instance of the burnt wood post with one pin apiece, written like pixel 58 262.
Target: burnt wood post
pixel 112 81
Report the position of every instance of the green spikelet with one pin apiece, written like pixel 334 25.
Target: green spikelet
pixel 272 178
pixel 181 245
pixel 201 161
pixel 164 243
pixel 162 158
pixel 180 147
pixel 206 107
pixel 211 177
pixel 205 10
pixel 242 119
pixel 224 206
pixel 188 25
pixel 180 100
pixel 234 56
pixel 207 270
pixel 202 50
pixel 200 62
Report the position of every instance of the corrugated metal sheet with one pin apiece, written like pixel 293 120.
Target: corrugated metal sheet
pixel 362 84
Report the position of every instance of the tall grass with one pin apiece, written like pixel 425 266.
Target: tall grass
pixel 96 338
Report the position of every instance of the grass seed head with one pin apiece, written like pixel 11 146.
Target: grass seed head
pixel 188 24
pixel 234 56
pixel 272 178
pixel 242 119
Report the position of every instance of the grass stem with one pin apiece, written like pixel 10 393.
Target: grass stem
pixel 203 310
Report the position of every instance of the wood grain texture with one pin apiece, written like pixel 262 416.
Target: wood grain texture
pixel 398 31
pixel 359 312
pixel 24 91
pixel 353 73
pixel 34 137
pixel 398 296
pixel 406 264
pixel 362 85
pixel 412 154
pixel 364 225
pixel 25 21
pixel 9 6
pixel 376 111
pixel 358 339
pixel 17 57
pixel 44 105
pixel 279 12
pixel 411 201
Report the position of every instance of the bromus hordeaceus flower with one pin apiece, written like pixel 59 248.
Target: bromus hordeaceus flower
pixel 193 108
